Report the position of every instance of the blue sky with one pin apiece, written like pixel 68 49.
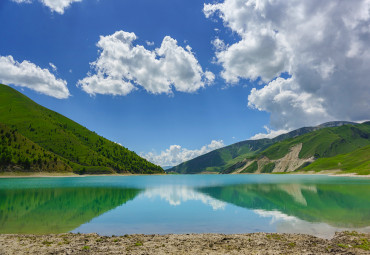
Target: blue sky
pixel 249 66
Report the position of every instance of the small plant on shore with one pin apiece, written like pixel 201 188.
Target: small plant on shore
pixel 353 233
pixel 363 244
pixel 292 245
pixel 274 236
pixel 138 243
pixel 343 245
pixel 115 240
pixel 46 243
pixel 86 247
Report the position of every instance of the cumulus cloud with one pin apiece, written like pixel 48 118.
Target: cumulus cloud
pixel 27 74
pixel 176 154
pixel 55 5
pixel 123 66
pixel 270 133
pixel 322 45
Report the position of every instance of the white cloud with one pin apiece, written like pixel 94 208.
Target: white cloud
pixel 22 1
pixel 123 66
pixel 176 154
pixel 270 133
pixel 323 45
pixel 55 5
pixel 53 67
pixel 27 74
pixel 149 43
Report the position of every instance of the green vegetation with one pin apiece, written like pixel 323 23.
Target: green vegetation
pixel 268 167
pixel 56 210
pixel 251 168
pixel 56 143
pixel 357 161
pixel 364 244
pixel 325 142
pixel 17 150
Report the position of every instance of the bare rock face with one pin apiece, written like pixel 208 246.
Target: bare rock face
pixel 289 163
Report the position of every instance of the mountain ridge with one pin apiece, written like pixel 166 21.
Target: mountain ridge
pixel 342 148
pixel 223 158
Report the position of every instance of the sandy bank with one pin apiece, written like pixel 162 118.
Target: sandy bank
pixel 257 243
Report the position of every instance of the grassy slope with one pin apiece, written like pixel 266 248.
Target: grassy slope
pixel 17 151
pixel 84 150
pixel 357 161
pixel 325 142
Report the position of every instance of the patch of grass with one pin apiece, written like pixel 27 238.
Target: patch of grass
pixel 86 247
pixel 343 245
pixel 363 244
pixel 46 243
pixel 274 236
pixel 268 168
pixel 115 240
pixel 351 233
pixel 138 243
pixel 251 168
pixel 292 244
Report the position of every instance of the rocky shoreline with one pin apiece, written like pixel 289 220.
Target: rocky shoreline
pixel 256 243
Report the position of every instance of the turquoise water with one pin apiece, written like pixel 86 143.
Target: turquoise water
pixel 117 205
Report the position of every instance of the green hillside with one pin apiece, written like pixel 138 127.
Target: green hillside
pixel 224 158
pixel 357 161
pixel 79 148
pixel 18 152
pixel 345 148
pixel 325 142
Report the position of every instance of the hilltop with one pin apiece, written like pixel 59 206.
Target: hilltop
pixel 36 139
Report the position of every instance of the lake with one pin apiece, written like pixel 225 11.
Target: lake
pixel 118 205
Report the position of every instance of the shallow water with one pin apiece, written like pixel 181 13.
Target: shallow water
pixel 111 205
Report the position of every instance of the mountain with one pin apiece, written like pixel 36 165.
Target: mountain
pixel 35 138
pixel 345 148
pixel 223 158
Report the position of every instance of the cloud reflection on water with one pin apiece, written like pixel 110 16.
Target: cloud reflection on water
pixel 175 195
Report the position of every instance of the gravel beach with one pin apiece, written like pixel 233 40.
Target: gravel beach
pixel 256 243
